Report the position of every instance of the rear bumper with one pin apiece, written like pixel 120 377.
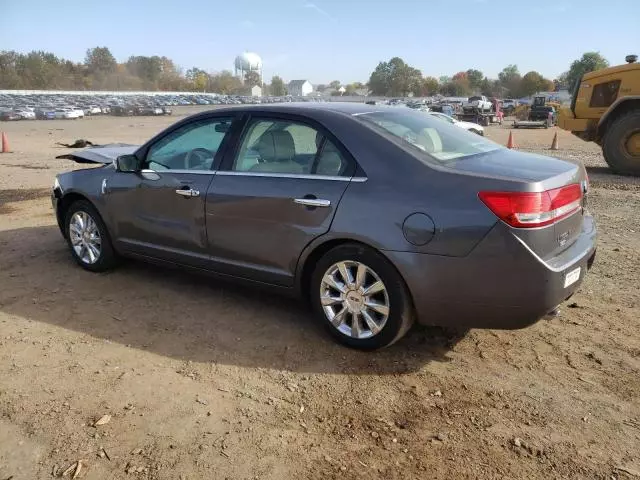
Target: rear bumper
pixel 500 284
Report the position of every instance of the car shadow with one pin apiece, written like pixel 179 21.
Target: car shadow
pixel 187 316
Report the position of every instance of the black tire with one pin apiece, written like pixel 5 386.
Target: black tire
pixel 108 257
pixel 401 314
pixel 614 148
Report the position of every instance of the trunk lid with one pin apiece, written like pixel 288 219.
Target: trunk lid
pixel 104 154
pixel 525 172
pixel 520 167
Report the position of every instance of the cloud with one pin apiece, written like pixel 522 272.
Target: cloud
pixel 313 6
pixel 247 24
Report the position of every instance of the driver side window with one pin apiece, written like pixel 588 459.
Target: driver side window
pixel 191 147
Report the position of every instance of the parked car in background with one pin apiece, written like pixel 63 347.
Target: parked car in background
pixel 508 106
pixel 45 113
pixel 477 103
pixel 470 126
pixel 303 198
pixel 122 110
pixel 148 110
pixel 67 113
pixel 9 116
pixel 79 111
pixel 25 114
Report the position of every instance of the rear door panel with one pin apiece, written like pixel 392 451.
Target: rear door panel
pixel 255 228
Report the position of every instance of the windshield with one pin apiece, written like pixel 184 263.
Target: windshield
pixel 425 134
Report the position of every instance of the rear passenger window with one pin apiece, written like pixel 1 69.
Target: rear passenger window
pixel 285 147
pixel 604 94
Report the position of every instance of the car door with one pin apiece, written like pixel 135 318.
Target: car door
pixel 160 211
pixel 277 190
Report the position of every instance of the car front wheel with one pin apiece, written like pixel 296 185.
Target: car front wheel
pixel 360 297
pixel 88 238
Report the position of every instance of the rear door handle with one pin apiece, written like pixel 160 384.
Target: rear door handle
pixel 312 202
pixel 188 192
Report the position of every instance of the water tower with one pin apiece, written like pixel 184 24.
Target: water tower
pixel 248 62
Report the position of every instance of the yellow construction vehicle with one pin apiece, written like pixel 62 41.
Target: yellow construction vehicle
pixel 605 109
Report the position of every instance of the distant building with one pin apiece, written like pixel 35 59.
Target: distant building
pixel 256 91
pixel 299 88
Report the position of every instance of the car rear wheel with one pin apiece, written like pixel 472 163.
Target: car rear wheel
pixel 360 297
pixel 88 238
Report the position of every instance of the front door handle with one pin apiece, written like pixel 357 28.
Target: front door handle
pixel 188 192
pixel 312 202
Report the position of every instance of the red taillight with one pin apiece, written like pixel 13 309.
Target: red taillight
pixel 534 209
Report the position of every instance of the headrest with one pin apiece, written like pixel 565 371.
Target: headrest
pixel 276 146
pixel 430 140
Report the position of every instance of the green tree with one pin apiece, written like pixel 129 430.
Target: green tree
pixel 199 79
pixel 252 78
pixel 225 83
pixel 334 85
pixel 590 62
pixel 456 88
pixel 148 69
pixel 430 86
pixel 510 79
pixel 486 87
pixel 321 88
pixel 277 87
pixel 395 78
pixel 100 60
pixel 476 78
pixel 532 82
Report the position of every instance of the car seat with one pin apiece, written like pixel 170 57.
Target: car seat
pixel 277 150
pixel 430 140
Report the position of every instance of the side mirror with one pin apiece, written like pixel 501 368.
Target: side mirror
pixel 127 163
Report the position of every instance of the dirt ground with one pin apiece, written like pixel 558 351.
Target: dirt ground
pixel 205 380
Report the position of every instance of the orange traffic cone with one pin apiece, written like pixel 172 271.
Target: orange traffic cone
pixel 510 142
pixel 5 143
pixel 554 143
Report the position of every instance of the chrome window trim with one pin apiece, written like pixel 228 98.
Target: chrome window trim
pixel 258 174
pixel 169 170
pixel 229 173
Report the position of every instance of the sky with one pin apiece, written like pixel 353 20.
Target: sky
pixel 325 40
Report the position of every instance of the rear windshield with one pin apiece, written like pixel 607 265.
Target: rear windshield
pixel 427 134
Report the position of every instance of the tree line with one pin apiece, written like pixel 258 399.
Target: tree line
pixel 40 70
pixel 396 78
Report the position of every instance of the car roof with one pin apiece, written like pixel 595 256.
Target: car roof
pixel 307 108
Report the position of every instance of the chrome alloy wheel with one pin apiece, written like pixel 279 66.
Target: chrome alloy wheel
pixel 85 237
pixel 354 299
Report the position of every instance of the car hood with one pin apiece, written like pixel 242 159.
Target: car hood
pixel 104 154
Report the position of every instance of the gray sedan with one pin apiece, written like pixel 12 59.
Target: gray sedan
pixel 378 216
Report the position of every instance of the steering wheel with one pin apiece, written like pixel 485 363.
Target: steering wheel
pixel 199 155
